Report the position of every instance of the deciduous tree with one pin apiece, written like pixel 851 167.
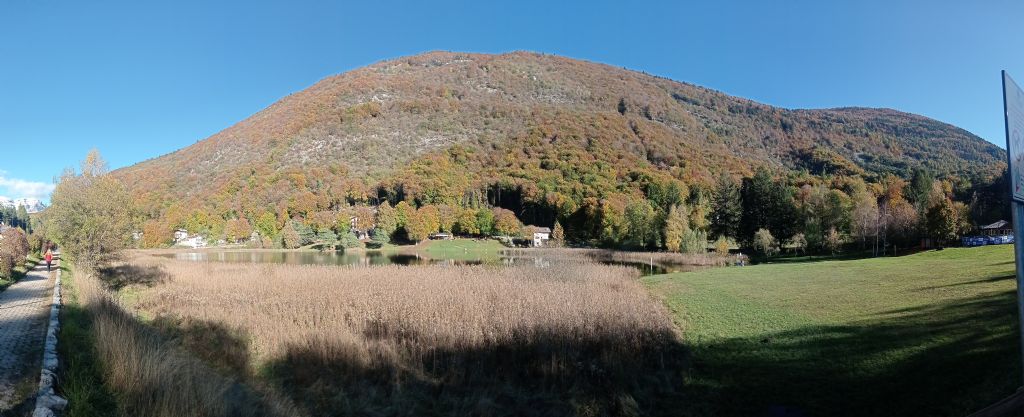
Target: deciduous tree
pixel 90 214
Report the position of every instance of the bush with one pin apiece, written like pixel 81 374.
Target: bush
pixel 722 245
pixel 14 248
pixel 764 242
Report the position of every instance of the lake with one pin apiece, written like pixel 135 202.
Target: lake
pixel 368 258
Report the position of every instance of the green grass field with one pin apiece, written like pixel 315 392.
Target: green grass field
pixel 463 249
pixel 927 334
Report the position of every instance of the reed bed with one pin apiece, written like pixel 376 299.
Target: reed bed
pixel 581 339
pixel 152 377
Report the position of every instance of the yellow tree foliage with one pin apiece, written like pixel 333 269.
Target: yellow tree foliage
pixel 465 223
pixel 236 230
pixel 430 216
pixel 416 227
pixel 157 233
pixel 675 227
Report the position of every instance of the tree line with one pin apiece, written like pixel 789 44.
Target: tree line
pixel 765 212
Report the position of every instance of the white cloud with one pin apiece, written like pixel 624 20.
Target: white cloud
pixel 22 188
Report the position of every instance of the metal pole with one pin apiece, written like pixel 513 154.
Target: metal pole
pixel 1018 255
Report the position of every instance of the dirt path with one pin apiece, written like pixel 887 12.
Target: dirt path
pixel 24 312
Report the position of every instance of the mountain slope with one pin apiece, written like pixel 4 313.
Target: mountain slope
pixel 451 121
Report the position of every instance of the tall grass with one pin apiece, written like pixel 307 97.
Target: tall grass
pixel 427 340
pixel 152 377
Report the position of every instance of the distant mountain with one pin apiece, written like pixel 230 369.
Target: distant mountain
pixel 32 205
pixel 450 126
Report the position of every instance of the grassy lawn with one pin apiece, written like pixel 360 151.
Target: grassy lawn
pixel 463 249
pixel 927 334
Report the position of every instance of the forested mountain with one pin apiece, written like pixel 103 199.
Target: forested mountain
pixel 545 136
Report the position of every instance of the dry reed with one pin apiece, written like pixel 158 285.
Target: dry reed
pixel 153 378
pixel 430 340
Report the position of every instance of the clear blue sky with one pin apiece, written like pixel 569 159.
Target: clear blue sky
pixel 137 79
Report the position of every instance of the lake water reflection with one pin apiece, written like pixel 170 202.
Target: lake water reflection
pixel 368 258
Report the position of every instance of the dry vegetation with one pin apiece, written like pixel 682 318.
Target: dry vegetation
pixel 154 378
pixel 438 340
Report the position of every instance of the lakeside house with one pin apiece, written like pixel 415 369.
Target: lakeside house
pixel 183 238
pixel 540 236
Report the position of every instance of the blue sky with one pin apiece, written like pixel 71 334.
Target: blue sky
pixel 140 79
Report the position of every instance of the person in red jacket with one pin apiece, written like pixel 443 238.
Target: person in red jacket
pixel 49 259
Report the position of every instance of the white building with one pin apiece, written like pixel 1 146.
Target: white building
pixel 180 235
pixel 182 238
pixel 540 236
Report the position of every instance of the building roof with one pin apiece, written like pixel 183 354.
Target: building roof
pixel 1002 224
pixel 541 230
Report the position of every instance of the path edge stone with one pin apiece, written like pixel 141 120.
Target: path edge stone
pixel 48 403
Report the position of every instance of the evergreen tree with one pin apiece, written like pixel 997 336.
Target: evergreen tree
pixel 306 233
pixel 23 220
pixel 767 204
pixel 327 237
pixel 757 210
pixel 920 188
pixel 348 240
pixel 726 208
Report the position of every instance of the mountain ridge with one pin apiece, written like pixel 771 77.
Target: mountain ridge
pixel 364 132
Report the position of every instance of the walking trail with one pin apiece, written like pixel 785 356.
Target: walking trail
pixel 24 314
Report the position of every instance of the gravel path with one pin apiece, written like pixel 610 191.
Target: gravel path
pixel 24 312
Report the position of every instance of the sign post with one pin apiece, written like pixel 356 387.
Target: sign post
pixel 1013 112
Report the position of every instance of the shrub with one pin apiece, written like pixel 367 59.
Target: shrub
pixel 349 241
pixel 764 242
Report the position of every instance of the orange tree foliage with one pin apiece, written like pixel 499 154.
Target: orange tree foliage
pixel 506 223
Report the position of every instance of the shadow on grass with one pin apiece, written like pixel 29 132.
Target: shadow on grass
pixel 937 360
pixel 987 280
pixel 549 374
pixel 120 276
pixel 841 256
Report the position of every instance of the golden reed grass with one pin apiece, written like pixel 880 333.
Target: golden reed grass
pixel 152 378
pixel 573 339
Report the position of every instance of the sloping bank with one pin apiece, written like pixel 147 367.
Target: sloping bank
pixel 116 365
